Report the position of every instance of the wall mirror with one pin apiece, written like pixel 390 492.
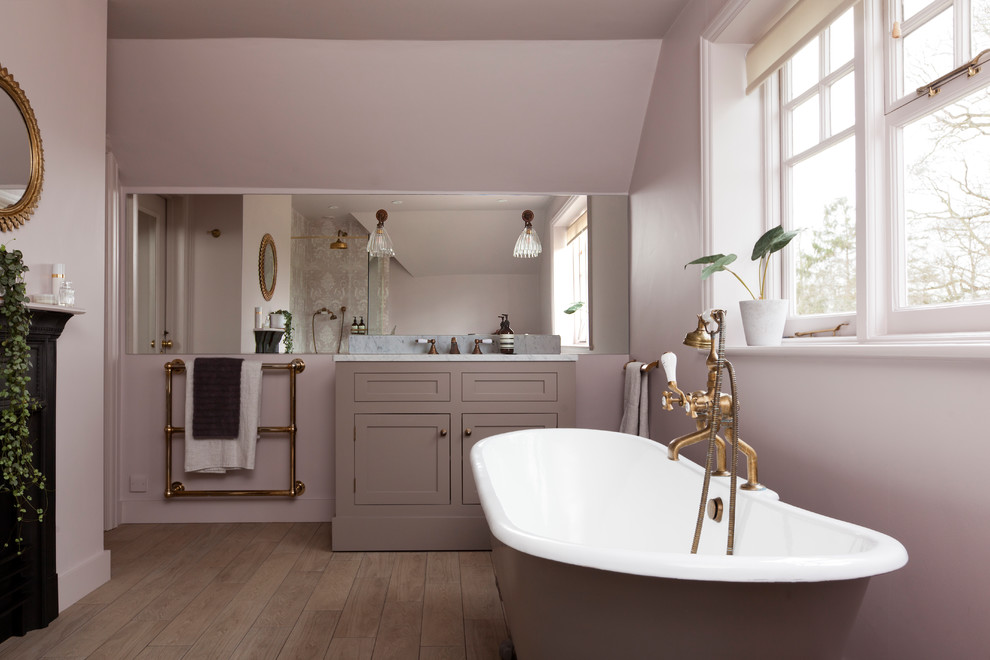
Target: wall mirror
pixel 453 271
pixel 21 161
pixel 267 266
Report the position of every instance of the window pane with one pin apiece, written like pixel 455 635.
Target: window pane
pixel 803 69
pixel 804 126
pixel 579 290
pixel 980 12
pixel 823 201
pixel 928 52
pixel 947 204
pixel 843 102
pixel 912 7
pixel 840 41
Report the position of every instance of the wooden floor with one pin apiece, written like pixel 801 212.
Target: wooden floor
pixel 274 590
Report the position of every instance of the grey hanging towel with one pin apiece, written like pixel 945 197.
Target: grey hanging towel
pixel 216 397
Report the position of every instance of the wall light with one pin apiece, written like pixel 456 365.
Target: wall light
pixel 528 244
pixel 380 245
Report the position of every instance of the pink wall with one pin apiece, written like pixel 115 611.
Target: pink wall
pixel 599 395
pixel 57 52
pixel 143 448
pixel 852 438
pixel 430 116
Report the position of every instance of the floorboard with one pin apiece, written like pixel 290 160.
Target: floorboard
pixel 273 590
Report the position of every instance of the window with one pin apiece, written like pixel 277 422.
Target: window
pixel 906 175
pixel 938 171
pixel 818 166
pixel 577 255
pixel 572 303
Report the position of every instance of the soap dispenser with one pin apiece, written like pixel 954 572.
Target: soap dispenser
pixel 354 326
pixel 506 338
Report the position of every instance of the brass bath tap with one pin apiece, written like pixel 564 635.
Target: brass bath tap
pixel 699 405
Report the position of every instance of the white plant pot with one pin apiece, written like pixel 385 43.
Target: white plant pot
pixel 277 320
pixel 763 321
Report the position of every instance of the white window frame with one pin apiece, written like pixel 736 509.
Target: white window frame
pixel 879 117
pixel 895 320
pixel 781 161
pixel 574 208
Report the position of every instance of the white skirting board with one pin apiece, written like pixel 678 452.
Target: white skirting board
pixel 80 580
pixel 226 509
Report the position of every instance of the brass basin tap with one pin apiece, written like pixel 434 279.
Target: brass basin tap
pixel 699 405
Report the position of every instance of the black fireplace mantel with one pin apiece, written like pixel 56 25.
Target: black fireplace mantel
pixel 28 581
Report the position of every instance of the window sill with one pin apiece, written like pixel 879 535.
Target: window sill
pixel 850 347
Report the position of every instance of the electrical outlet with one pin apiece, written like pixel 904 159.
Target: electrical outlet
pixel 139 483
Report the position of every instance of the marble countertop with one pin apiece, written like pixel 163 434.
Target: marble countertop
pixel 446 357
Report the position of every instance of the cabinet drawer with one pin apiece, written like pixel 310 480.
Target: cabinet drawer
pixel 401 459
pixel 425 387
pixel 521 386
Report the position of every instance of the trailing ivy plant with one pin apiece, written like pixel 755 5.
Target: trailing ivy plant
pixel 18 474
pixel 288 328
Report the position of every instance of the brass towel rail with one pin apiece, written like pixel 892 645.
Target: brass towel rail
pixel 177 489
pixel 645 368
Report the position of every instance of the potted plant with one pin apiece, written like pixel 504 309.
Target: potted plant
pixel 287 315
pixel 21 483
pixel 762 319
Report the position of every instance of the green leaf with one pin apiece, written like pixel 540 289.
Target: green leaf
pixel 773 241
pixel 573 308
pixel 712 258
pixel 717 265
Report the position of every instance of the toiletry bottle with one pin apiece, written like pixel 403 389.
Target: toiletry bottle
pixel 58 276
pixel 362 328
pixel 506 338
pixel 354 326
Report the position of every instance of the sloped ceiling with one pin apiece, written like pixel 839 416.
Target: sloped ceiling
pixel 392 19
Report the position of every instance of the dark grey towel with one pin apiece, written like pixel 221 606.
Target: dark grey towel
pixel 216 397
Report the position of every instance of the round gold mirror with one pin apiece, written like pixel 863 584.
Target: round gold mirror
pixel 21 158
pixel 267 266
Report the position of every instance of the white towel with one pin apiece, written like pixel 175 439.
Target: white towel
pixel 216 456
pixel 636 401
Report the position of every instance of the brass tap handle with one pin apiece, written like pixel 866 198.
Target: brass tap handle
pixel 477 347
pixel 433 347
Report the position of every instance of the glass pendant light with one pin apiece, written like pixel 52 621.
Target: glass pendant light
pixel 528 244
pixel 380 245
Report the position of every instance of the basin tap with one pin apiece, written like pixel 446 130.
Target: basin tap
pixel 432 343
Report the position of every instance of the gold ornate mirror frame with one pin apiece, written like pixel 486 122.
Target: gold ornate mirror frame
pixel 266 242
pixel 16 215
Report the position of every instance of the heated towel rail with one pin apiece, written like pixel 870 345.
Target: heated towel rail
pixel 176 489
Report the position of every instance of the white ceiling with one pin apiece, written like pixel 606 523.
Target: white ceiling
pixel 393 19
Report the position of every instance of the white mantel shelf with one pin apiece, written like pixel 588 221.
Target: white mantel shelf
pixel 446 357
pixel 44 307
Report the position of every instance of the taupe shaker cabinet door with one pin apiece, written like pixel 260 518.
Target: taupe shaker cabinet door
pixel 402 459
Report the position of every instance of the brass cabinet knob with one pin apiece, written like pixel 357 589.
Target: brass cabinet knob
pixel 166 343
pixel 152 343
pixel 467 431
pixel 443 433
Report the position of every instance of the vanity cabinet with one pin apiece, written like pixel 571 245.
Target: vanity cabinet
pixel 404 433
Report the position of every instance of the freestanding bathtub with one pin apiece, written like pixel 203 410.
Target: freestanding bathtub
pixel 591 537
